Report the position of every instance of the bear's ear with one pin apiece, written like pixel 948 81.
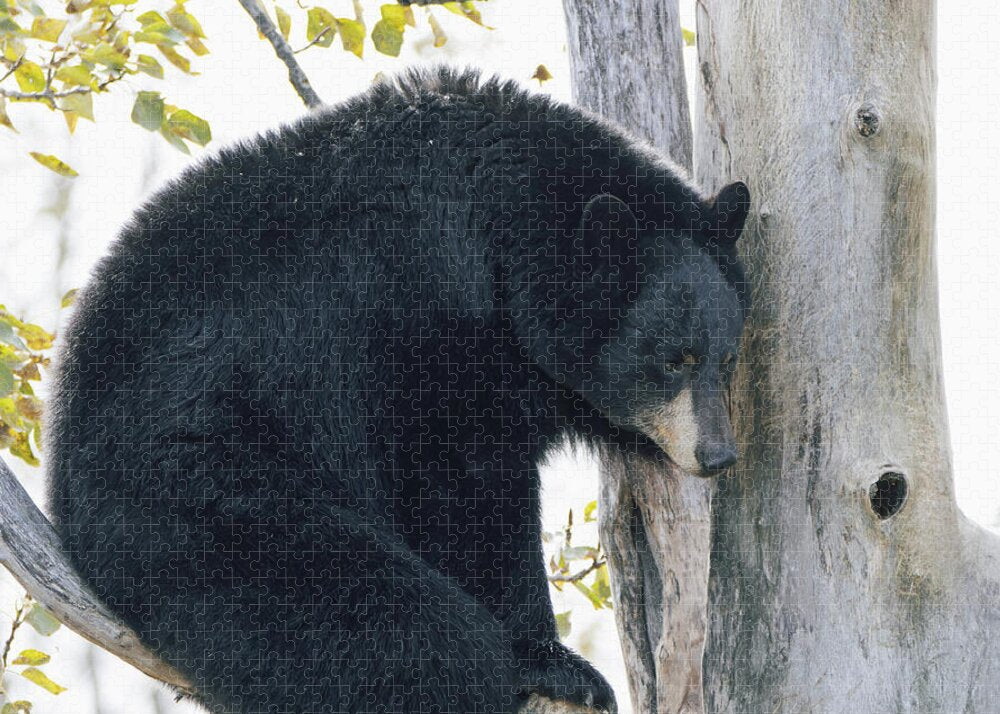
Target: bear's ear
pixel 728 212
pixel 608 230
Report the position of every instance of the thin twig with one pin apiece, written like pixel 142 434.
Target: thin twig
pixel 18 619
pixel 317 38
pixel 595 565
pixel 281 48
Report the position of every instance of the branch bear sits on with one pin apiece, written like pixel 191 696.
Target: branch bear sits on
pixel 302 402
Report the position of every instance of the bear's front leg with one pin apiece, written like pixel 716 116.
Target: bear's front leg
pixel 560 681
pixel 538 704
pixel 503 567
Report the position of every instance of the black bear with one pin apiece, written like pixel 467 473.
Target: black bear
pixel 302 402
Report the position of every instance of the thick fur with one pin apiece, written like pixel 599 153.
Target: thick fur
pixel 302 402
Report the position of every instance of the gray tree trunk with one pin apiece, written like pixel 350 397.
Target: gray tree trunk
pixel 843 576
pixel 627 66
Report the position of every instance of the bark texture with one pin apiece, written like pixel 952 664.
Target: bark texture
pixel 627 66
pixel 832 589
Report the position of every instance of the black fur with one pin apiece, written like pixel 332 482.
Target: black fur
pixel 302 402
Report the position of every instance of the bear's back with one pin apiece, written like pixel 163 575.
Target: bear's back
pixel 253 300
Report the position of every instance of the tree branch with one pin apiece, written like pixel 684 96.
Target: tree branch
pixel 296 75
pixel 31 551
pixel 47 95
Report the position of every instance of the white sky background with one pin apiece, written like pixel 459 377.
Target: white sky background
pixel 243 89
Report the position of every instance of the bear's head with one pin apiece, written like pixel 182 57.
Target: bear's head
pixel 643 320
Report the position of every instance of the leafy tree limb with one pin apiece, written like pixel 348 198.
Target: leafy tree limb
pixel 296 75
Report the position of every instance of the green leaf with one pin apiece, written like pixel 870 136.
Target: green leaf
pixel 47 29
pixel 176 58
pixel 148 110
pixel 579 552
pixel 175 141
pixel 69 298
pixel 352 35
pixel 689 37
pixel 39 678
pixel 31 6
pixel 186 125
pixel 77 75
pixel 320 23
pixel 159 34
pixel 184 21
pixel 588 512
pixel 107 55
pixel 40 619
pixel 7 335
pixel 563 625
pixel 6 380
pixel 21 448
pixel 53 164
pixel 594 598
pixel 151 17
pixel 284 22
pixel 149 65
pixel 387 37
pixel 30 77
pixel 32 657
pixel 602 587
pixel 81 104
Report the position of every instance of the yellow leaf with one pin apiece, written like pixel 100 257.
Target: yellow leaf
pixel 284 22
pixel 396 14
pixel 176 58
pixel 197 46
pixel 439 37
pixel 320 26
pixel 4 119
pixel 542 74
pixel 32 657
pixel 39 678
pixel 35 336
pixel 69 298
pixel 53 164
pixel 466 9
pixel 352 35
pixel 184 21
pixel 47 29
pixel 689 37
pixel 71 119
pixel 30 77
pixel 22 449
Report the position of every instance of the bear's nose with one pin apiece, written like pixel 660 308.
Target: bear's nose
pixel 714 458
